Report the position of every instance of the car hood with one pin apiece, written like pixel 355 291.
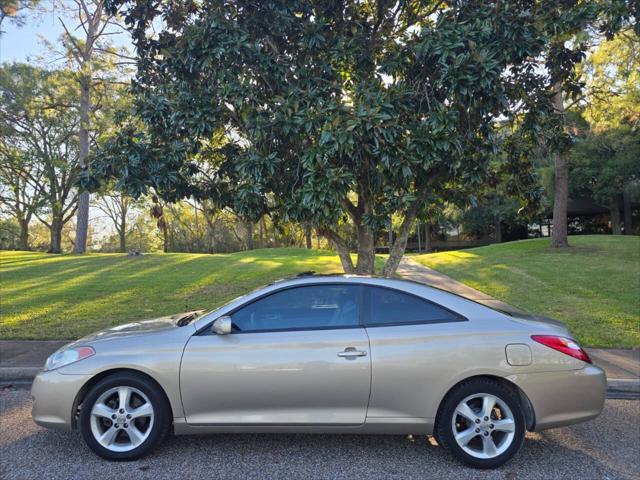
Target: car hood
pixel 140 327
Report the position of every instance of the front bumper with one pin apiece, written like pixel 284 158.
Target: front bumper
pixel 564 397
pixel 53 396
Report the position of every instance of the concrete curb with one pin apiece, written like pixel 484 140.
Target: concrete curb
pixel 630 385
pixel 18 373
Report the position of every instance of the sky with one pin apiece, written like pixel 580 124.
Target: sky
pixel 18 43
pixel 23 43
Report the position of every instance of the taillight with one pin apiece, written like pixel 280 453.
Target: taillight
pixel 565 345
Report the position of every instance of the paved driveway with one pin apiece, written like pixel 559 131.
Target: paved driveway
pixel 605 448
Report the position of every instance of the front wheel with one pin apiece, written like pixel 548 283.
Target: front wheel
pixel 481 423
pixel 124 417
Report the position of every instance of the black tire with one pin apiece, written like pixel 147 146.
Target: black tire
pixel 161 415
pixel 445 429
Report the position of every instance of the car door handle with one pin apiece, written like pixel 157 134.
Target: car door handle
pixel 351 352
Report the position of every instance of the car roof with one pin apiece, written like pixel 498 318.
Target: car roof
pixel 308 278
pixel 340 275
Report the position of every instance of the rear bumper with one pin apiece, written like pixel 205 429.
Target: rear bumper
pixel 565 397
pixel 53 396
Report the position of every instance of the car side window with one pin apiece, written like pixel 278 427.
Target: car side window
pixel 392 307
pixel 301 308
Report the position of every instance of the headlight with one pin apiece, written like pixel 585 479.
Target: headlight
pixel 68 356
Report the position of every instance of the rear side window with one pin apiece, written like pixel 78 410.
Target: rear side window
pixel 301 308
pixel 393 307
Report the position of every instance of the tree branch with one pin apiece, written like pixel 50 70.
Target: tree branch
pixel 340 246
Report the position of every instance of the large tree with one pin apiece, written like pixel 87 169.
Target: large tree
pixel 329 110
pixel 611 73
pixel 118 208
pixel 21 187
pixel 605 166
pixel 89 51
pixel 605 161
pixel 608 78
pixel 38 123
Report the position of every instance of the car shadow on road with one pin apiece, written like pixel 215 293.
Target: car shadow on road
pixel 45 454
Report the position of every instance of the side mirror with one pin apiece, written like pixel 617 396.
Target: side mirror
pixel 222 325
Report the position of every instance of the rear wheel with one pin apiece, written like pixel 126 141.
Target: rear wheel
pixel 124 417
pixel 481 423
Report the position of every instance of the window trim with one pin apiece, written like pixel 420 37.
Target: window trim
pixel 366 310
pixel 206 330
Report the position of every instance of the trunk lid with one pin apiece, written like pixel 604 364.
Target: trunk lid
pixel 541 323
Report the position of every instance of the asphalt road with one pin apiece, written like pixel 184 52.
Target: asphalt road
pixel 605 448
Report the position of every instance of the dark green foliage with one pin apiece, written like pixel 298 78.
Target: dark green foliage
pixel 604 164
pixel 321 110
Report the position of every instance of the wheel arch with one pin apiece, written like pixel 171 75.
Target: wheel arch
pixel 525 403
pixel 82 393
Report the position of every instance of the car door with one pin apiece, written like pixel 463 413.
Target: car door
pixel 416 346
pixel 297 356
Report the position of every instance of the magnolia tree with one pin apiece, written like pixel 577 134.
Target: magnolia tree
pixel 322 112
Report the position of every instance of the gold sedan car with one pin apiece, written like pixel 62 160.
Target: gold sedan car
pixel 325 354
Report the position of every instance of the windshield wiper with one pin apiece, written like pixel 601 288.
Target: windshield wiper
pixel 188 317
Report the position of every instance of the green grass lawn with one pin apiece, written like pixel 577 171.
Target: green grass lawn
pixel 593 286
pixel 65 296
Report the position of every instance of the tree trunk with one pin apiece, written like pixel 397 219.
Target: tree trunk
pixel 211 237
pixel 614 208
pixel 82 219
pixel 56 235
pixel 626 200
pixel 561 185
pixel 122 233
pixel 397 250
pixel 261 230
pixel 123 242
pixel 307 236
pixel 249 235
pixel 366 251
pixel 341 248
pixel 427 237
pixel 498 230
pixel 24 234
pixel 165 239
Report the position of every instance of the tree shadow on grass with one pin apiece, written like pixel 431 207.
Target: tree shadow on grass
pixel 82 294
pixel 87 280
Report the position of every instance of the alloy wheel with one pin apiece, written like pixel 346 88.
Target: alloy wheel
pixel 483 425
pixel 121 418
